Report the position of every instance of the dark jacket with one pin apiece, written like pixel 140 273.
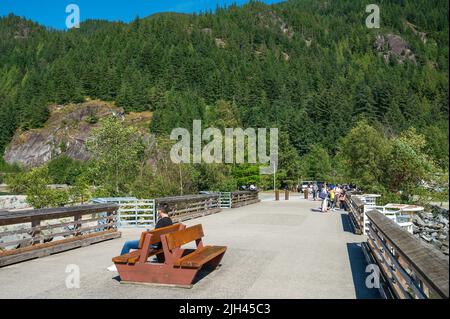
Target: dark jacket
pixel 164 222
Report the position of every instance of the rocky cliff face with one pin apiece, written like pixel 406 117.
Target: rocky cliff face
pixel 392 45
pixel 66 132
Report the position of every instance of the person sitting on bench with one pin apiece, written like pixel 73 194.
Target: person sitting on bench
pixel 163 221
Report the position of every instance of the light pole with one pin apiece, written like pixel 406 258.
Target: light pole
pixel 274 177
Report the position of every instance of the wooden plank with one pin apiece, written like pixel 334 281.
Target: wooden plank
pixel 201 256
pixel 52 243
pixel 187 198
pixel 41 250
pixel 37 237
pixel 191 215
pixel 133 257
pixel 156 234
pixel 123 259
pixel 244 203
pixel 182 237
pixel 51 226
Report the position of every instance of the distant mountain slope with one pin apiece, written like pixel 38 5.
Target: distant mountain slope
pixel 309 67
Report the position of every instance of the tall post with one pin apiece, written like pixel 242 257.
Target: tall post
pixel 277 193
pixel 274 178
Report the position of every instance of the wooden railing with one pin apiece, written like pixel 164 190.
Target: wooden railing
pixel 191 206
pixel 356 212
pixel 143 212
pixel 243 198
pixel 410 268
pixel 28 234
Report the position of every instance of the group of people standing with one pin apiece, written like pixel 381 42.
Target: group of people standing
pixel 332 197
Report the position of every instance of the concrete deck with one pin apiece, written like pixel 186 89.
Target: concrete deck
pixel 279 249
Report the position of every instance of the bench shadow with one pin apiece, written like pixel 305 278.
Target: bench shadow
pixel 358 266
pixel 346 224
pixel 204 272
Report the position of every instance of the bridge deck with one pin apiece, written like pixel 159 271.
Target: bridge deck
pixel 279 249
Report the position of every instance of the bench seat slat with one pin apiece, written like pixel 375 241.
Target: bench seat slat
pixel 133 257
pixel 200 257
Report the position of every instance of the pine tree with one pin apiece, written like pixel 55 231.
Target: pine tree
pixel 364 103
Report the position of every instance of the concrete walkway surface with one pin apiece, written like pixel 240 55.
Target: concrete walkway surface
pixel 284 249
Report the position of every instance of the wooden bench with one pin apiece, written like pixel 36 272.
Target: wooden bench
pixel 180 265
pixel 145 250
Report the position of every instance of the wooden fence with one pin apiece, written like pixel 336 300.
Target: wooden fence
pixel 33 233
pixel 243 198
pixel 410 268
pixel 191 206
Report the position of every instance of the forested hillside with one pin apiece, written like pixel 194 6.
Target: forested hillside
pixel 310 67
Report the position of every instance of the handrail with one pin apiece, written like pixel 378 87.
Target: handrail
pixel 356 212
pixel 32 233
pixel 413 268
pixel 9 217
pixel 191 206
pixel 243 198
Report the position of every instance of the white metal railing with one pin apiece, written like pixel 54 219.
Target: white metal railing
pixel 369 199
pixel 225 200
pixel 133 212
pixel 400 216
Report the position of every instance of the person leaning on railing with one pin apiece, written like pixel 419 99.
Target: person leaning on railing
pixel 163 221
pixel 343 200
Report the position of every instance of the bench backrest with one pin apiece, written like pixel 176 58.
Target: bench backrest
pixel 184 236
pixel 156 234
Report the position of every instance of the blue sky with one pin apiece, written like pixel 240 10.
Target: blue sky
pixel 52 13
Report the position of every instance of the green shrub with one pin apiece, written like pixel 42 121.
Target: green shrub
pixel 64 170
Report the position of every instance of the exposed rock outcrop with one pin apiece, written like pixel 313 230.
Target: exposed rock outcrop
pixel 393 46
pixel 65 132
pixel 270 19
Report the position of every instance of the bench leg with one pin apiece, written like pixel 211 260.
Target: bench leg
pixel 157 274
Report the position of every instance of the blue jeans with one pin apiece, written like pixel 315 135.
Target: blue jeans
pixel 129 244
pixel 133 244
